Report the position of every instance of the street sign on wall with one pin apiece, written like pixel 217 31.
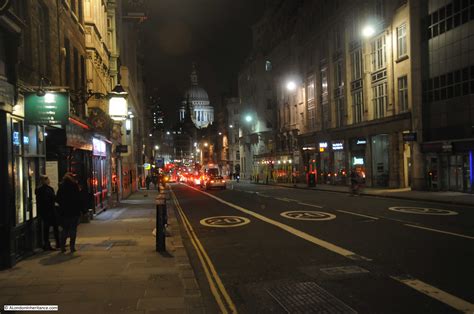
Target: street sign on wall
pixel 50 109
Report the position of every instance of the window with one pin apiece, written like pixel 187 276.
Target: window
pixel 77 82
pixel 379 58
pixel 401 40
pixel 379 100
pixel 67 61
pixel 310 89
pixel 268 66
pixel 356 58
pixel 339 74
pixel 403 93
pixel 312 118
pixel 358 106
pixel 324 85
pixel 44 52
pixel 340 103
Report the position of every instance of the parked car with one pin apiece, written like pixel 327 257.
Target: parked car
pixel 214 182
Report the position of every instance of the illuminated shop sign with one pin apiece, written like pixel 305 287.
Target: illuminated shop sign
pixel 323 146
pixel 50 109
pixel 16 138
pixel 26 140
pixel 361 141
pixel 99 148
pixel 339 145
pixel 357 161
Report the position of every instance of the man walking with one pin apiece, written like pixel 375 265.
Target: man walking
pixel 45 202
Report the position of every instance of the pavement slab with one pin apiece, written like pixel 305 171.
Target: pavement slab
pixel 115 269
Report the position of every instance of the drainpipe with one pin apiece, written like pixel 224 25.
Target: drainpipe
pixel 58 28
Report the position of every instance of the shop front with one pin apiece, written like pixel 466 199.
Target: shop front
pixel 449 166
pixel 357 153
pixel 22 161
pixel 100 174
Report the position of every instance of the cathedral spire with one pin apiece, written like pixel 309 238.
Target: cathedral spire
pixel 194 77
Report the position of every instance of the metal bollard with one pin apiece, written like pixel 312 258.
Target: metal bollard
pixel 160 225
pixel 163 196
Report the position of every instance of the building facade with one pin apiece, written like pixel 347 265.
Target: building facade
pixel 344 101
pixel 448 88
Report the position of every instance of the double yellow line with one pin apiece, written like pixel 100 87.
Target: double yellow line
pixel 217 287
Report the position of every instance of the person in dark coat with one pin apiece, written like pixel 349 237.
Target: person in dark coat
pixel 70 210
pixel 45 201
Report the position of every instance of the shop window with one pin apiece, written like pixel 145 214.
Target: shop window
pixel 17 144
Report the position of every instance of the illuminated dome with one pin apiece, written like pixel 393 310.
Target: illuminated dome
pixel 202 113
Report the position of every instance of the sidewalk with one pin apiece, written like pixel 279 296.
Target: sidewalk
pixel 115 270
pixel 454 198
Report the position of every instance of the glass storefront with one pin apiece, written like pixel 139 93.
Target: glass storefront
pixel 339 172
pixel 449 172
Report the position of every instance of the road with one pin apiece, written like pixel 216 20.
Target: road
pixel 290 250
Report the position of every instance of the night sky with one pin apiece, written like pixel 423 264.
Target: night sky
pixel 216 34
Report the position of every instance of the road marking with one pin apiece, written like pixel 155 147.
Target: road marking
pixel 423 211
pixel 303 235
pixel 312 205
pixel 441 231
pixel 307 215
pixel 224 221
pixel 284 199
pixel 435 293
pixel 206 263
pixel 351 213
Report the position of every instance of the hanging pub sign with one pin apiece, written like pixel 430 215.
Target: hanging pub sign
pixel 50 109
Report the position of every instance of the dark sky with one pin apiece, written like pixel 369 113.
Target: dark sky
pixel 216 34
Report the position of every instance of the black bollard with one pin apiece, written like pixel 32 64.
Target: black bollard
pixel 160 225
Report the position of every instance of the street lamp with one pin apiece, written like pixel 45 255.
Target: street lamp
pixel 118 106
pixel 291 86
pixel 206 144
pixel 368 31
pixel 248 118
pixel 157 147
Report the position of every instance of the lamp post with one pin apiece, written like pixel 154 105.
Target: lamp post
pixel 118 106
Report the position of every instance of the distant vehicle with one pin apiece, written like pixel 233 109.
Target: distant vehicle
pixel 214 182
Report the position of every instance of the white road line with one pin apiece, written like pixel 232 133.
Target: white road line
pixel 303 235
pixel 435 293
pixel 311 205
pixel 284 199
pixel 351 213
pixel 441 231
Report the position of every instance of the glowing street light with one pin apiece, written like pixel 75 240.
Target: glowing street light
pixel 248 118
pixel 368 31
pixel 231 126
pixel 206 144
pixel 291 86
pixel 157 147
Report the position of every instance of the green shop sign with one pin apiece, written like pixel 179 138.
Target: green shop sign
pixel 52 108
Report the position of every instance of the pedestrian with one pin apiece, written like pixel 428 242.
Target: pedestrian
pixel 70 209
pixel 148 181
pixel 45 201
pixel 354 182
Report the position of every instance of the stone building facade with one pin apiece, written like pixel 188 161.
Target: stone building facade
pixel 350 104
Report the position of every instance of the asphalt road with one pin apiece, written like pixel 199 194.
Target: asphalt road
pixel 314 251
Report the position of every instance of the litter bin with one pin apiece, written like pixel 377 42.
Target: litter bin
pixel 311 179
